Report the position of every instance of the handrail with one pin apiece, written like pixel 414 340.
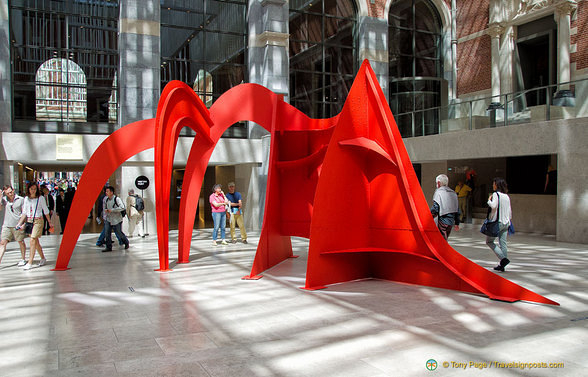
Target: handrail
pixel 492 111
pixel 519 93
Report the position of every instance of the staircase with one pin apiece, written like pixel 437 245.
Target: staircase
pixel 479 214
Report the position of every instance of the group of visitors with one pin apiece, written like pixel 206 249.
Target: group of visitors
pixel 447 209
pixel 31 216
pixel 223 205
pixel 25 216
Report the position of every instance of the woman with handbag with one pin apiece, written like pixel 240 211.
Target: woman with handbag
pixel 33 210
pixel 499 203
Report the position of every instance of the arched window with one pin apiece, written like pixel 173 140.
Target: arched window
pixel 322 55
pixel 416 66
pixel 60 88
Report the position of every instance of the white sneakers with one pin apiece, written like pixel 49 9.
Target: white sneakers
pixel 28 266
pixel 21 263
pixel 223 242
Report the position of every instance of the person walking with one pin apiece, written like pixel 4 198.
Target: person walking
pixel 135 213
pixel 33 211
pixel 462 190
pixel 445 206
pixel 499 202
pixel 61 208
pixel 50 204
pixel 236 213
pixel 13 205
pixel 113 207
pixel 218 203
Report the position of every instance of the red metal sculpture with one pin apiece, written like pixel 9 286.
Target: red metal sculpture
pixel 345 182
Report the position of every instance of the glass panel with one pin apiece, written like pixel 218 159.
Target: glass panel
pixel 415 52
pixel 322 65
pixel 205 48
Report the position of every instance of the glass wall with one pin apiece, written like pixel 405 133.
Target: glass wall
pixel 203 44
pixel 64 61
pixel 322 55
pixel 416 66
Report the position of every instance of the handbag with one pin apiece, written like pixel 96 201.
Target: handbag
pixel 29 226
pixel 511 229
pixel 491 228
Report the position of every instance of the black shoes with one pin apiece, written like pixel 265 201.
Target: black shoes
pixel 106 250
pixel 503 263
pixel 126 245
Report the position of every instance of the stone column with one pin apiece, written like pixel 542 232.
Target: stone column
pixel 562 16
pixel 372 41
pixel 5 70
pixel 506 64
pixel 268 57
pixel 140 60
pixel 495 32
pixel 495 109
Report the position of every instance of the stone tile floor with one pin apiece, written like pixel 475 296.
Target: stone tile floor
pixel 112 315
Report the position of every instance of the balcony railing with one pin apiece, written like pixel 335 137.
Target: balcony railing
pixel 552 102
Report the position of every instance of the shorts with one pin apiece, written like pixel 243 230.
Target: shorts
pixel 10 234
pixel 37 228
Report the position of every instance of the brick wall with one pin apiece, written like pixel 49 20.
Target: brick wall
pixel 474 63
pixel 472 16
pixel 580 57
pixel 474 57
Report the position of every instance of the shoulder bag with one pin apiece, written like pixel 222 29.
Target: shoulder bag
pixel 29 226
pixel 491 228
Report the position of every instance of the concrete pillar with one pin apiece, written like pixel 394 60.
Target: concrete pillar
pixel 268 57
pixel 5 70
pixel 372 41
pixel 139 69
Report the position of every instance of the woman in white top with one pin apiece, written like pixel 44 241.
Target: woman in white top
pixel 33 209
pixel 499 202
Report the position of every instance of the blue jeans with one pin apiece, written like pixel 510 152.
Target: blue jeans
pixel 101 238
pixel 502 251
pixel 117 230
pixel 220 221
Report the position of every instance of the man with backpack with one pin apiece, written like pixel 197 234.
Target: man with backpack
pixel 114 209
pixel 135 206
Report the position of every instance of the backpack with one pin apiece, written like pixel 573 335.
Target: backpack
pixel 139 203
pixel 124 211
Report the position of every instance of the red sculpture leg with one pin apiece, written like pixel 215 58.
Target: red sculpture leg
pixel 380 225
pixel 123 144
pixel 193 176
pixel 178 107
